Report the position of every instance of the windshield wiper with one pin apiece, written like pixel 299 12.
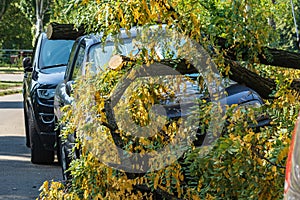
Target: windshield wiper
pixel 52 66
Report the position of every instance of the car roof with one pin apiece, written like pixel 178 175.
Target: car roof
pixel 94 38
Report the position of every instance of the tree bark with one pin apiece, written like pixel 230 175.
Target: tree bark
pixel 268 56
pixel 280 58
pixel 3 6
pixel 263 86
pixel 57 31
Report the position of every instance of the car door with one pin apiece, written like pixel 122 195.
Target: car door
pixel 63 96
pixel 29 71
pixel 63 91
pixel 29 65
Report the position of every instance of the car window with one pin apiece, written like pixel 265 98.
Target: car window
pixel 71 59
pixel 54 52
pixel 78 63
pixel 98 56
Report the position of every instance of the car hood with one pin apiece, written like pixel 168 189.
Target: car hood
pixel 51 76
pixel 239 94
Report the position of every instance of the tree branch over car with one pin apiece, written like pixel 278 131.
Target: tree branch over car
pixel 229 32
pixel 244 44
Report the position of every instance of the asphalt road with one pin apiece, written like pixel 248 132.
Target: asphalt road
pixel 19 178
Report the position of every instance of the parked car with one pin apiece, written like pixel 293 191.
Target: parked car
pixel 89 49
pixel 292 171
pixel 41 76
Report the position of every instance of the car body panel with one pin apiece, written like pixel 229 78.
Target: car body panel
pixel 292 174
pixel 236 93
pixel 37 78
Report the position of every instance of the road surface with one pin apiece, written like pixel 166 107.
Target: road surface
pixel 19 178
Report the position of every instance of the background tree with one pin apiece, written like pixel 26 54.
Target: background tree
pixel 21 21
pixel 37 12
pixel 3 6
pixel 15 29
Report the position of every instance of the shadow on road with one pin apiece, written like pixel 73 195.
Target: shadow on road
pixel 19 178
pixel 13 146
pixel 11 104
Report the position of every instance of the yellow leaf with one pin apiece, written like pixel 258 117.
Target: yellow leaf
pixel 156 181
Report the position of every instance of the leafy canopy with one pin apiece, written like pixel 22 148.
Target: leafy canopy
pixel 242 164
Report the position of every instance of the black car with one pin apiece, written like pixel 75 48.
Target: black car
pixel 89 49
pixel 41 76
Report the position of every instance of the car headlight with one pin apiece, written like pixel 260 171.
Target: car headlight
pixel 250 104
pixel 247 105
pixel 45 93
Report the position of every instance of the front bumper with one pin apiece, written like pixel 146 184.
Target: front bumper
pixel 45 122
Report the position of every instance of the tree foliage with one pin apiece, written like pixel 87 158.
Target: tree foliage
pixel 240 22
pixel 18 21
pixel 3 7
pixel 37 12
pixel 244 163
pixel 16 30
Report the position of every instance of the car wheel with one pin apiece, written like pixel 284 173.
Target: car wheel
pixel 64 160
pixel 58 144
pixel 63 156
pixel 26 127
pixel 38 154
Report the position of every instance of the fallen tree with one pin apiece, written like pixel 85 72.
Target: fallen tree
pixel 238 156
pixel 64 31
pixel 268 56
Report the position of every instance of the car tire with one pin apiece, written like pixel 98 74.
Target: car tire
pixel 63 157
pixel 64 160
pixel 39 155
pixel 58 144
pixel 26 127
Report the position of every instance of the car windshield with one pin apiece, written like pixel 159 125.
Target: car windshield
pixel 99 57
pixel 55 53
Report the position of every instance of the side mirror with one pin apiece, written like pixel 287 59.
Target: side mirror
pixel 69 87
pixel 27 65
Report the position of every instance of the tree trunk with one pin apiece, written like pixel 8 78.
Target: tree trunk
pixel 269 56
pixel 57 31
pixel 3 6
pixel 280 58
pixel 263 86
pixel 39 17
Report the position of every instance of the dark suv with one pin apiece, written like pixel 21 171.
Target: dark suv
pixel 89 49
pixel 41 76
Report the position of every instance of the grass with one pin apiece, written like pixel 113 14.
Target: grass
pixel 10 87
pixel 4 85
pixel 11 69
pixel 7 92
